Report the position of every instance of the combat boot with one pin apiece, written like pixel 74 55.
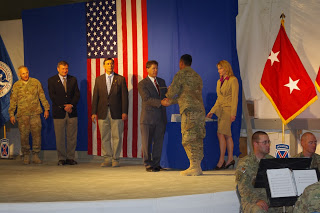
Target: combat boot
pixel 26 158
pixel 193 170
pixel 36 159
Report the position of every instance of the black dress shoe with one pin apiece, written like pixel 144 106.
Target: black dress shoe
pixel 159 168
pixel 151 169
pixel 61 162
pixel 71 162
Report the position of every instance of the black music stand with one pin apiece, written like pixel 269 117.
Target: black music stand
pixel 279 163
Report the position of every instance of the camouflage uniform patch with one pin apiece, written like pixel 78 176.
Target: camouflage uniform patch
pixel 315 163
pixel 186 90
pixel 309 201
pixel 26 97
pixel 27 124
pixel 193 132
pixel 246 172
pixel 239 173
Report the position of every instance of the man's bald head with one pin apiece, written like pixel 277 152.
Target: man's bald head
pixel 23 73
pixel 309 144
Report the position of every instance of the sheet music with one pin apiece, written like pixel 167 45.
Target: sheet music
pixel 281 183
pixel 304 178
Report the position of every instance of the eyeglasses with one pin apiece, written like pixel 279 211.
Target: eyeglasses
pixel 264 142
pixel 312 142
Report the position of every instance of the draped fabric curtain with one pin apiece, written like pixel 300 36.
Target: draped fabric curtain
pixel 258 24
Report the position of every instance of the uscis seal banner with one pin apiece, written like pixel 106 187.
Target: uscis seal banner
pixel 285 81
pixel 7 78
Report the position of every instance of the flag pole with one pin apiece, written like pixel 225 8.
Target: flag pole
pixel 4 131
pixel 282 132
pixel 283 16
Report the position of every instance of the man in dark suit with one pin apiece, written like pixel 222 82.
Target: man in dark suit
pixel 64 94
pixel 153 117
pixel 110 108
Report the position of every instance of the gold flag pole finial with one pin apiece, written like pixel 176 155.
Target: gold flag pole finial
pixel 283 16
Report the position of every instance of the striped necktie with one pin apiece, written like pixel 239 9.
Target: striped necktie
pixel 157 85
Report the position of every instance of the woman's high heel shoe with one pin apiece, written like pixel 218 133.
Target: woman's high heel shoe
pixel 222 167
pixel 230 164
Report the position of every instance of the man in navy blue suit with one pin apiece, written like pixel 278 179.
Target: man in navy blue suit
pixel 64 94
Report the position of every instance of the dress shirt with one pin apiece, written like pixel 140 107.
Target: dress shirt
pixel 109 83
pixel 62 78
pixel 152 80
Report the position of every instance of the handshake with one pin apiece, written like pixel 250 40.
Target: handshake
pixel 165 102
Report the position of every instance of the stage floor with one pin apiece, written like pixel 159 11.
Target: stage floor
pixel 87 181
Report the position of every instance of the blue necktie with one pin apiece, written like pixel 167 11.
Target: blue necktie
pixel 109 86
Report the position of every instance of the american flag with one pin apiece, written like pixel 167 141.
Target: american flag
pixel 117 29
pixel 101 29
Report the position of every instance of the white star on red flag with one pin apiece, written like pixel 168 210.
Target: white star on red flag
pixel 292 84
pixel 273 57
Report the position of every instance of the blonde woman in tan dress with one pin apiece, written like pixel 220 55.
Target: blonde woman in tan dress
pixel 226 109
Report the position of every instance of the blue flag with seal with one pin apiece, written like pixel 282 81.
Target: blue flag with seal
pixel 7 78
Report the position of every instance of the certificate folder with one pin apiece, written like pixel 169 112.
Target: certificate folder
pixel 279 163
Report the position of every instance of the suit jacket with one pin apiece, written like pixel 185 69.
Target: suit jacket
pixel 117 100
pixel 227 96
pixel 59 97
pixel 152 111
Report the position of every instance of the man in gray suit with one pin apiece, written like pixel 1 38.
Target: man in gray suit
pixel 153 117
pixel 110 108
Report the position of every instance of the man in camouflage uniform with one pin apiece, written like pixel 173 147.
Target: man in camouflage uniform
pixel 25 96
pixel 186 90
pixel 254 199
pixel 309 145
pixel 309 201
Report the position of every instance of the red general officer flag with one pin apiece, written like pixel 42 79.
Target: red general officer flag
pixel 318 80
pixel 285 81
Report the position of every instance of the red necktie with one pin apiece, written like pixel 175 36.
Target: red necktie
pixel 157 85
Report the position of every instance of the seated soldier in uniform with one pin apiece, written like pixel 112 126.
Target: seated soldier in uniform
pixel 254 199
pixel 309 201
pixel 309 145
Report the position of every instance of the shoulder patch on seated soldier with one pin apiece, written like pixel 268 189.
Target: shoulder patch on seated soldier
pixel 239 173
